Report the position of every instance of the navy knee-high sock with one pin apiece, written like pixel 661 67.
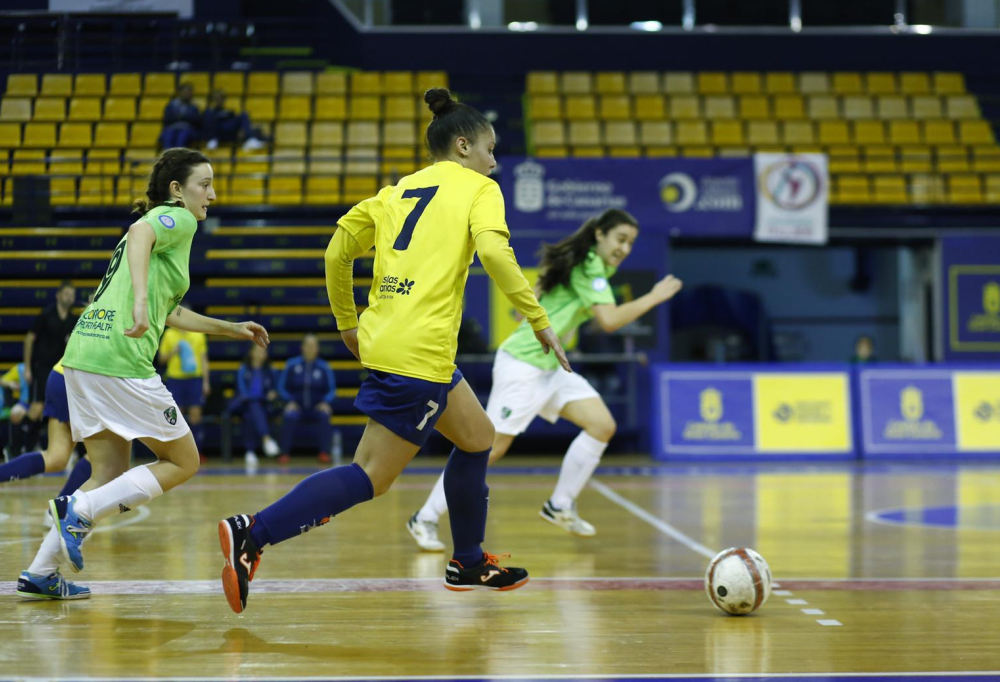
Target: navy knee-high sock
pixel 27 465
pixel 77 477
pixel 313 502
pixel 468 501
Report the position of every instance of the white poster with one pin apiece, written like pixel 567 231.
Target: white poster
pixel 792 198
pixel 183 8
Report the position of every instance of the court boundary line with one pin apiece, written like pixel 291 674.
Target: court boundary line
pixel 142 513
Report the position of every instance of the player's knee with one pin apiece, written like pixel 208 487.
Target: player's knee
pixel 603 429
pixel 56 459
pixel 381 481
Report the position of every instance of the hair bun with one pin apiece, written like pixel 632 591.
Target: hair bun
pixel 439 101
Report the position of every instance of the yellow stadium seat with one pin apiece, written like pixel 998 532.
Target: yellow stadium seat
pixel 100 191
pixel 798 133
pixel 4 162
pixel 90 85
pixel 222 160
pixel 762 133
pixel 890 189
pixel 691 133
pixel 110 135
pixel 725 133
pixel 952 159
pixel 927 189
pixel 847 83
pixel 584 133
pixel 543 107
pixel 962 106
pixel 119 109
pixel 290 134
pixel 56 85
pixel 620 134
pixel 965 189
pixel 986 159
pixel 814 83
pixel 915 159
pixel 857 107
pixel 66 162
pixel 22 85
pixel 39 135
pixel 754 107
pixel 161 83
pixel 15 109
pixel 823 107
pixel 399 134
pixel 326 134
pixel 697 151
pixel 779 83
pixel 363 134
pixel 656 134
pixel 891 107
pixel 284 189
pixel 330 108
pixel 249 162
pixel 366 83
pixel 678 83
pixel 853 189
pixel 7 198
pixel 139 163
pixel 543 83
pixel 295 108
pixel 144 134
pixel 548 134
pixel 103 162
pixel 914 83
pixel 231 81
pixel 246 190
pixel 733 152
pixel 712 83
pixel 992 194
pixel 62 191
pixel 10 135
pixel 789 107
pixel 719 106
pixel 948 83
pixel 844 159
pixel 400 108
pixel 28 162
pixel 644 83
pixel 424 114
pixel 609 83
pixel 975 132
pixel 430 79
pixel 125 85
pixel 262 83
pixel 75 135
pixel 615 107
pixel 833 133
pixel 580 107
pixel 85 109
pixel 331 83
pixel 297 83
pixel 622 152
pixel 397 162
pixel 151 108
pixel 552 153
pixel 904 132
pixel 746 83
pixel 260 109
pixel 869 132
pixel 684 107
pixel 880 159
pixel 939 132
pixel 880 83
pixel 359 187
pixel 576 83
pixel 50 109
pixel 323 190
pixel 649 107
pixel 326 160
pixel 361 161
pixel 926 106
pixel 398 83
pixel 200 81
pixel 366 108
pixel 588 152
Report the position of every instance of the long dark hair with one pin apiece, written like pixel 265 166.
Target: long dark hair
pixel 557 260
pixel 174 164
pixel 451 119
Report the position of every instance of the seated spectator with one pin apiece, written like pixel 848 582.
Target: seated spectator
pixel 256 389
pixel 181 119
pixel 864 350
pixel 185 355
pixel 308 388
pixel 224 125
pixel 16 381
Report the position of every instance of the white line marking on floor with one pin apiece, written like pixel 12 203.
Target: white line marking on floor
pixel 830 623
pixel 657 523
pixel 782 593
pixel 813 612
pixel 796 602
pixel 141 514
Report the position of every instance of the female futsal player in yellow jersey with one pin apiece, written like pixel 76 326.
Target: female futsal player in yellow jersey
pixel 425 230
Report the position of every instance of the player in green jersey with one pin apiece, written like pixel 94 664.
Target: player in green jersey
pixel 574 288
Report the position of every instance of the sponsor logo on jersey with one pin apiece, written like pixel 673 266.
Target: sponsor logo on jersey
pixel 392 285
pixel 600 284
pixel 167 222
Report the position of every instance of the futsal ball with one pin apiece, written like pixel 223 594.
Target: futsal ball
pixel 738 581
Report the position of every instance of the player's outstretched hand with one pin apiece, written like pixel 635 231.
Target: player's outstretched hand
pixel 667 288
pixel 350 339
pixel 251 331
pixel 140 321
pixel 550 341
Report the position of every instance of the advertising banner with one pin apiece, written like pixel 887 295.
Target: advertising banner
pixel 971 279
pixel 792 198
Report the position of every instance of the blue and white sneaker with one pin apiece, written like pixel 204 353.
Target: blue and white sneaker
pixel 73 528
pixel 39 587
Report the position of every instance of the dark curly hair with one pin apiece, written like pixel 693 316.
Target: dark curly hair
pixel 451 119
pixel 174 164
pixel 557 260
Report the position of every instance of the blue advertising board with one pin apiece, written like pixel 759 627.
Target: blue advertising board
pixel 971 300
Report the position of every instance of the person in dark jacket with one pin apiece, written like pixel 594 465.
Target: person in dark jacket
pixel 181 119
pixel 226 126
pixel 308 387
pixel 256 388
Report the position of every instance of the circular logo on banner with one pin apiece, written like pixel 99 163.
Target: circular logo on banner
pixel 678 192
pixel 167 222
pixel 791 184
pixel 600 284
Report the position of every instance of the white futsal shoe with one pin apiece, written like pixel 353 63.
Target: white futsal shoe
pixel 567 519
pixel 425 533
pixel 271 448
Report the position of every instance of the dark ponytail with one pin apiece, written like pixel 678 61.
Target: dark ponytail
pixel 174 164
pixel 557 260
pixel 451 119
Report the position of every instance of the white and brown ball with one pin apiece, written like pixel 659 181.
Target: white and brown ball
pixel 738 581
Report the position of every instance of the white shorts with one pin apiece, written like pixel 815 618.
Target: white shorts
pixel 130 408
pixel 521 392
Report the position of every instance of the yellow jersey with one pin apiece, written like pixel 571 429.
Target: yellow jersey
pixel 58 367
pixel 424 232
pixel 191 347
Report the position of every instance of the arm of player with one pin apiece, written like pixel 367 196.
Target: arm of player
pixel 347 244
pixel 612 317
pixel 189 321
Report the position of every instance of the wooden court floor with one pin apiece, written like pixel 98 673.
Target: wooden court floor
pixel 882 569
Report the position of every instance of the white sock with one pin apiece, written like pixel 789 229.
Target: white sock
pixel 436 505
pixel 49 554
pixel 582 457
pixel 133 488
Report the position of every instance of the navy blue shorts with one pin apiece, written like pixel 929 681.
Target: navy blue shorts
pixel 406 406
pixel 56 403
pixel 187 392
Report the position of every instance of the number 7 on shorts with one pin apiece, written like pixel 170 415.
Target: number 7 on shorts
pixel 434 408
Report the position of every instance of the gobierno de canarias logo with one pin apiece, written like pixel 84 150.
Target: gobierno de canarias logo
pixel 989 320
pixel 710 426
pixel 913 425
